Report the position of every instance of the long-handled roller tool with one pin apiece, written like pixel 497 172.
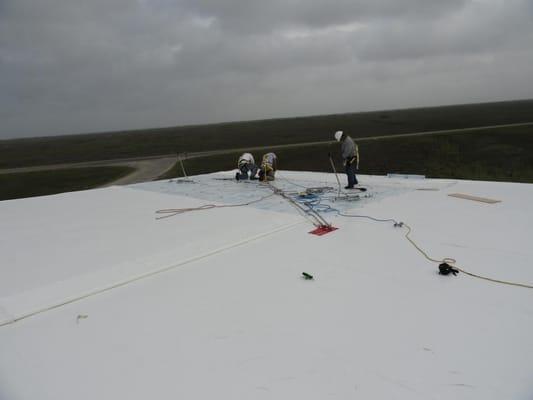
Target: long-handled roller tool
pixel 361 189
pixel 336 175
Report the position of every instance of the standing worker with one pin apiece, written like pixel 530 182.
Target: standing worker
pixel 269 165
pixel 350 156
pixel 246 165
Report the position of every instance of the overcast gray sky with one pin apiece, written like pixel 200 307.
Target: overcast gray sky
pixel 72 66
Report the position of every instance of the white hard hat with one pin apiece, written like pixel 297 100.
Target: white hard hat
pixel 338 136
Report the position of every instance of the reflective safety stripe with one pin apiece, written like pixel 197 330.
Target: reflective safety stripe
pixel 267 167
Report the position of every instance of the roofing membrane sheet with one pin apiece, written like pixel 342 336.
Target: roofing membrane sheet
pixel 115 303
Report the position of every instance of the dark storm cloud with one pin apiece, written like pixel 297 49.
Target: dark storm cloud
pixel 476 29
pixel 68 66
pixel 257 16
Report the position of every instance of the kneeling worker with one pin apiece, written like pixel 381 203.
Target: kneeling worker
pixel 269 165
pixel 350 156
pixel 246 165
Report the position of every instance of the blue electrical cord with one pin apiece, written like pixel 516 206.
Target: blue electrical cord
pixel 314 202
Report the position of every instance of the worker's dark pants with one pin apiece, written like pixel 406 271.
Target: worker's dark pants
pixel 244 169
pixel 270 176
pixel 350 172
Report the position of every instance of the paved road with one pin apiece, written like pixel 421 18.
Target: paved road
pixel 84 164
pixel 146 168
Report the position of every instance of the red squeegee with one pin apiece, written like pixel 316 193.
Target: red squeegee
pixel 322 230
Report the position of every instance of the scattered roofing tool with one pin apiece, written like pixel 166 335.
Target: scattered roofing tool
pixel 474 198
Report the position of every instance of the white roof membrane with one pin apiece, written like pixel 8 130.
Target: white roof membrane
pixel 211 304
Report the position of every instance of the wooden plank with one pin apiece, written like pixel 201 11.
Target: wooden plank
pixel 474 198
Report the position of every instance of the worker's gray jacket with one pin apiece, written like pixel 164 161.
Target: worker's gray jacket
pixel 348 148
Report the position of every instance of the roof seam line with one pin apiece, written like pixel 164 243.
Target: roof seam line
pixel 151 273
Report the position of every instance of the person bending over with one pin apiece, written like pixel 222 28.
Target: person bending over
pixel 247 167
pixel 269 165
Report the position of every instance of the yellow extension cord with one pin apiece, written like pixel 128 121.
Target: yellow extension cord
pixel 453 261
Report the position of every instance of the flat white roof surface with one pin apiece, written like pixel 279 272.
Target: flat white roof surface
pixel 101 300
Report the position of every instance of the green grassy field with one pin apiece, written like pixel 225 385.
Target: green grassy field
pixel 499 155
pixel 40 183
pixel 79 148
